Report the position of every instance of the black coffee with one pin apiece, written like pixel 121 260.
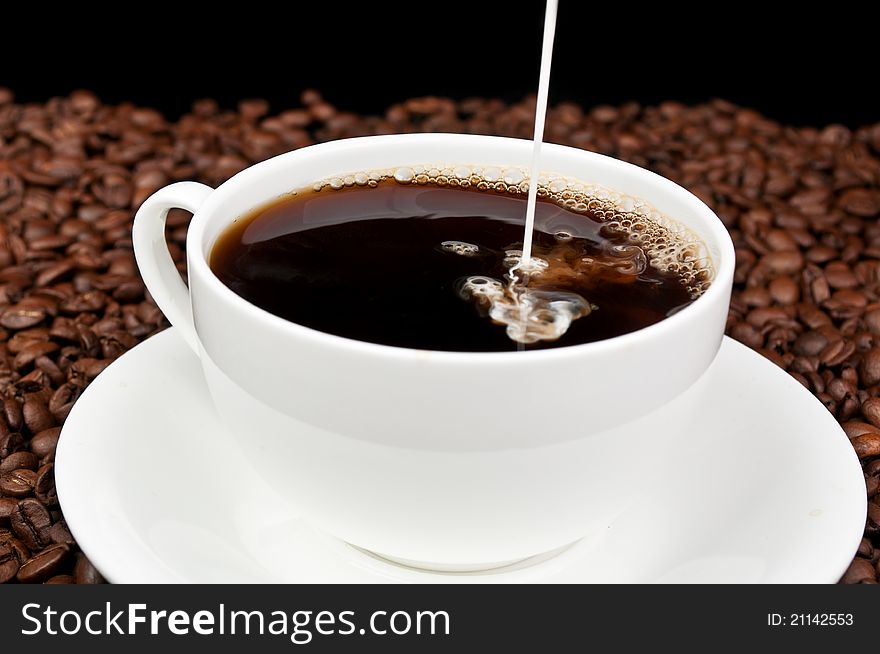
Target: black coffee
pixel 426 265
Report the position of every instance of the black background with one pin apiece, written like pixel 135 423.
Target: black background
pixel 816 67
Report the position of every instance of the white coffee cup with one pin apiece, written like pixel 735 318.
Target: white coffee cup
pixel 447 459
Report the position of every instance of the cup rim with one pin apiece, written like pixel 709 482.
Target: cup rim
pixel 715 229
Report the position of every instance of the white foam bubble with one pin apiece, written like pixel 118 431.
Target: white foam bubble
pixel 534 266
pixel 460 248
pixel 492 174
pixel 404 174
pixel 513 176
pixel 462 172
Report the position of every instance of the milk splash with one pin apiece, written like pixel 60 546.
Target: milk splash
pixel 530 315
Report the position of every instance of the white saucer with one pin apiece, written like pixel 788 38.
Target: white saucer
pixel 154 490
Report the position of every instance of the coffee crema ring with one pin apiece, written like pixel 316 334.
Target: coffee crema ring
pixel 668 245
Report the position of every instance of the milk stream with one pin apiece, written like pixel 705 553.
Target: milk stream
pixel 538 136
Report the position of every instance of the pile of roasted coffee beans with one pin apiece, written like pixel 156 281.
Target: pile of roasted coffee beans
pixel 801 204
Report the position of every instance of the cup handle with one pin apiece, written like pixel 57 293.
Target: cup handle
pixel 151 253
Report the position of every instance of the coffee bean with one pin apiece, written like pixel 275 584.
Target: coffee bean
pixel 13 413
pixel 44 442
pixel 810 343
pixel 43 565
pixel 784 290
pixel 859 570
pixel 861 202
pixel 19 460
pixel 820 290
pixel 18 483
pixel 7 506
pixel 847 298
pixel 61 579
pixel 834 353
pixel 54 273
pixel 85 572
pixel 59 533
pixel 29 354
pixel 44 485
pixel 10 442
pixel 37 416
pixel 31 522
pixel 872 485
pixel 840 389
pixel 869 369
pixel 756 297
pixel 9 538
pixel 872 525
pixel 763 315
pixel 784 263
pixel 19 317
pixel 820 254
pixel 839 275
pixel 62 400
pixel 866 445
pixel 747 334
pixel 812 316
pixel 9 563
pixel 871 410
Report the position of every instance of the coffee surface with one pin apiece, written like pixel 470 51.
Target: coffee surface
pixel 408 264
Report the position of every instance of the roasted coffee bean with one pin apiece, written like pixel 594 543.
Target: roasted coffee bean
pixel 839 275
pixel 29 354
pixel 30 521
pixel 871 410
pixel 22 317
pixel 840 390
pixel 9 563
pixel 810 343
pixel 44 485
pixel 859 570
pixel 44 442
pixel 37 416
pixel 7 537
pixel 784 290
pixel 13 413
pixel 19 460
pixel 784 263
pixel 10 442
pixel 872 321
pixel 25 338
pixel 18 483
pixel 59 533
pixel 747 334
pixel 62 400
pixel 872 525
pixel 866 445
pixel 84 572
pixel 872 485
pixel 61 579
pixel 7 506
pixel 855 428
pixel 869 369
pixel 43 565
